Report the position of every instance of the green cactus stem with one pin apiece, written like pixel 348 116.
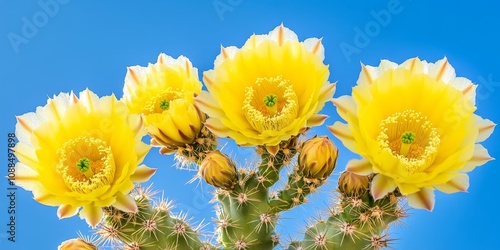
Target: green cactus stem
pixel 152 227
pixel 356 222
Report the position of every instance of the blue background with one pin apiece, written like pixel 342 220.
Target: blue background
pixel 90 44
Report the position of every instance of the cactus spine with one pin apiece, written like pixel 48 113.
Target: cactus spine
pixel 152 227
pixel 356 222
pixel 247 212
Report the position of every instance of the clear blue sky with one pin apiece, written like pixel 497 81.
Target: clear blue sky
pixel 81 44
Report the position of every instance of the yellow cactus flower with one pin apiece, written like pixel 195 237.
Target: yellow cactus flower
pixel 218 170
pixel 81 152
pixel 318 157
pixel 77 244
pixel 164 93
pixel 268 91
pixel 415 127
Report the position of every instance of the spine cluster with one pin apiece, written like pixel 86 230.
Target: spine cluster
pixel 247 212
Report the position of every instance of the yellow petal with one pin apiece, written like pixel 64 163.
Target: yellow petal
pixel 381 186
pixel 91 214
pixel 125 203
pixel 345 106
pixel 316 120
pixel 368 74
pixel 441 70
pixel 26 177
pixel 25 153
pixel 327 92
pixel 208 105
pixel 465 86
pixel 89 100
pixel 486 128
pixel 459 183
pixel 25 126
pixel 142 174
pixel 341 131
pixel 218 128
pixel 423 199
pixel 414 65
pixel 315 46
pixel 408 188
pixel 479 158
pixel 360 167
pixel 273 150
pixel 65 211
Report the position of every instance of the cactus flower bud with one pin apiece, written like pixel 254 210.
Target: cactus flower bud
pixel 218 170
pixel 318 157
pixel 77 244
pixel 177 125
pixel 351 184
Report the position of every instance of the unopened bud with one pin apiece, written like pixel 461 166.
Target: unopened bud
pixel 318 157
pixel 218 170
pixel 179 124
pixel 77 244
pixel 351 184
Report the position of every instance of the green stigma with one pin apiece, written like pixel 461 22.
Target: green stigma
pixel 408 137
pixel 270 100
pixel 83 165
pixel 164 104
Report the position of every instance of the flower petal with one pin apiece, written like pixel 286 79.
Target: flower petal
pixel 441 70
pixel 341 131
pixel 41 195
pixel 273 150
pixel 316 120
pixel 360 167
pixel 209 105
pixel 142 173
pixel 91 214
pixel 486 127
pixel 466 87
pixel 368 74
pixel 423 199
pixel 90 100
pixel 326 92
pixel 218 128
pixel 65 211
pixel 281 34
pixel 457 184
pixel 125 203
pixel 26 177
pixel 225 53
pixel 414 65
pixel 25 126
pixel 25 153
pixel 381 186
pixel 479 158
pixel 315 46
pixel 345 106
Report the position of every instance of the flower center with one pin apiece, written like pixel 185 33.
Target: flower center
pixel 411 138
pixel 161 101
pixel 270 103
pixel 85 164
pixel 164 104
